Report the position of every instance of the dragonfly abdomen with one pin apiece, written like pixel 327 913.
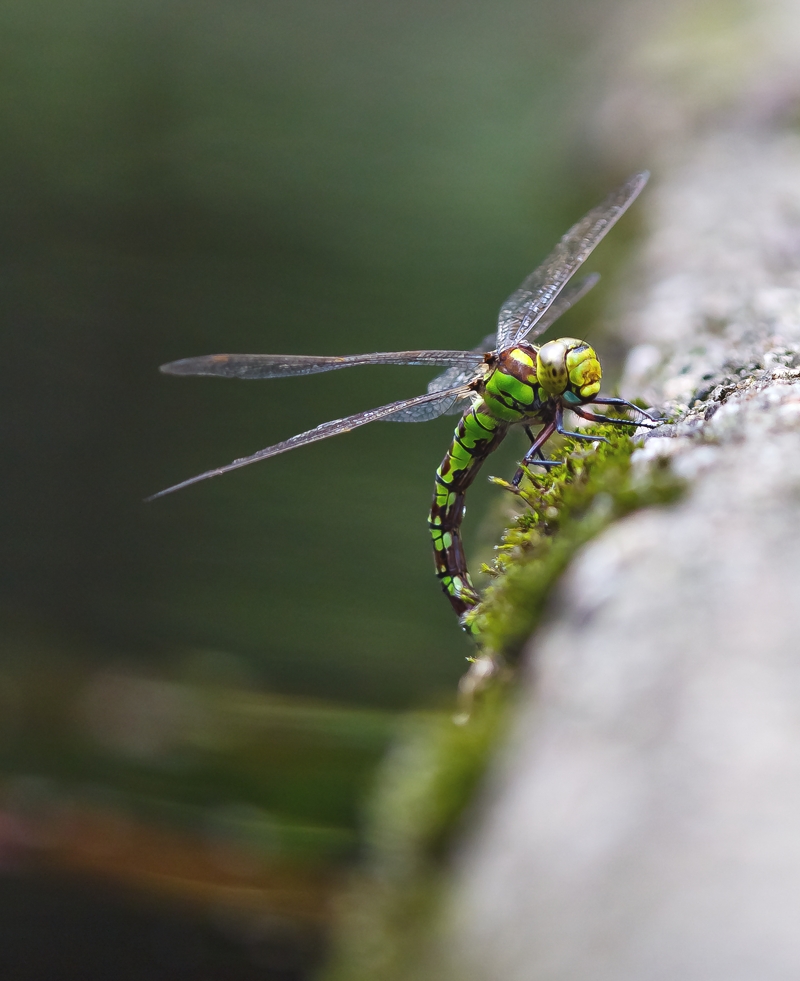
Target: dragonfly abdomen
pixel 477 434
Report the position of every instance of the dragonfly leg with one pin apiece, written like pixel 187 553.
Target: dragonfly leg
pixel 540 460
pixel 536 450
pixel 559 425
pixel 624 403
pixel 594 417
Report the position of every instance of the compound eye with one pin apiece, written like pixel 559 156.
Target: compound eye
pixel 551 367
pixel 584 373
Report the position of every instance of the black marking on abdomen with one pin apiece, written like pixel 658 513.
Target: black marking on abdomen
pixel 454 476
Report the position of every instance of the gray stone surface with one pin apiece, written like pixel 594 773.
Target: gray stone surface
pixel 644 821
pixel 647 822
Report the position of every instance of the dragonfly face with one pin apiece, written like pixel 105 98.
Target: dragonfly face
pixel 569 369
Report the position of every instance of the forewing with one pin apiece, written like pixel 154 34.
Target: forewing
pixel 458 375
pixel 524 309
pixel 564 301
pixel 284 365
pixel 332 428
pixel 489 343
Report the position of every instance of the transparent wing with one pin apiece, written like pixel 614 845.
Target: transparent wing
pixel 426 411
pixel 332 428
pixel 525 308
pixel 285 365
pixel 452 377
pixel 489 343
pixel 456 375
pixel 565 300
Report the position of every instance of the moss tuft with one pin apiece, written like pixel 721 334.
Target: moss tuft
pixel 564 508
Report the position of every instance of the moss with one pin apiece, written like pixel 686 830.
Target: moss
pixel 429 781
pixel 425 787
pixel 563 509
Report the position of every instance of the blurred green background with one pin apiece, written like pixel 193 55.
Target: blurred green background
pixel 191 178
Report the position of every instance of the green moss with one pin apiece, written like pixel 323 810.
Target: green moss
pixel 429 781
pixel 564 509
pixel 426 785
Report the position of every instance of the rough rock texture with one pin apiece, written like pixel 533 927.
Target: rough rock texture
pixel 645 820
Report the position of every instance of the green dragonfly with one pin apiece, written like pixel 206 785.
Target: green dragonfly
pixel 505 381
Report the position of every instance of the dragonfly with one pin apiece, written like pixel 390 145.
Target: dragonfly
pixel 505 381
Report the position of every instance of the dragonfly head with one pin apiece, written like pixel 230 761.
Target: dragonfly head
pixel 568 369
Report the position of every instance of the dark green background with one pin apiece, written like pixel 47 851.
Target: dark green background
pixel 224 665
pixel 188 178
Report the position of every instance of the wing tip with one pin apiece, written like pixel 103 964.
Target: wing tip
pixel 174 367
pixel 182 484
pixel 206 363
pixel 623 197
pixel 153 497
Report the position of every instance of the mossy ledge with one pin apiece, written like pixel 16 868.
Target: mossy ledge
pixel 563 509
pixel 429 780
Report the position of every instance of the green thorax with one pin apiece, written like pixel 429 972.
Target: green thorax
pixel 521 381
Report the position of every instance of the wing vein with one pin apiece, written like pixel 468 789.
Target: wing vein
pixel 523 313
pixel 251 366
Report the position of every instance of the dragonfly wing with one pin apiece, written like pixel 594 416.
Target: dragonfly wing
pixel 451 377
pixel 454 378
pixel 425 412
pixel 489 343
pixel 284 365
pixel 524 309
pixel 332 428
pixel 565 301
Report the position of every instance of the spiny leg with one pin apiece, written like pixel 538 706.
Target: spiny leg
pixel 624 403
pixel 559 427
pixel 593 417
pixel 536 450
pixel 540 460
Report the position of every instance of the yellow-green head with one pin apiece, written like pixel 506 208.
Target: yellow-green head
pixel 568 368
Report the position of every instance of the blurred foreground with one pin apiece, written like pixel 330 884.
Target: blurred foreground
pixel 189 822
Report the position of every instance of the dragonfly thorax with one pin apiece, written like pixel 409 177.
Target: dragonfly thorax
pixel 522 379
pixel 511 389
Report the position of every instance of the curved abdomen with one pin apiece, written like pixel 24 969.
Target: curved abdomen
pixel 477 435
